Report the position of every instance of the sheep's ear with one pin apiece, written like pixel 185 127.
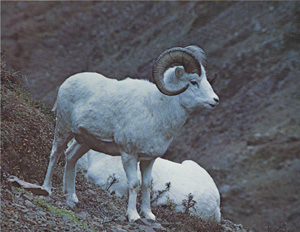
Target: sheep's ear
pixel 179 72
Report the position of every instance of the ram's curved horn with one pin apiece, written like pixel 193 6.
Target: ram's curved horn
pixel 175 56
pixel 198 52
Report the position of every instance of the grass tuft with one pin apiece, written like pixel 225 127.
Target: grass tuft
pixel 62 212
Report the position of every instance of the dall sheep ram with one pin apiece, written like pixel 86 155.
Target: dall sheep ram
pixel 185 178
pixel 134 119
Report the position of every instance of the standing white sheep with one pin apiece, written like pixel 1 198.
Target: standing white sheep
pixel 131 118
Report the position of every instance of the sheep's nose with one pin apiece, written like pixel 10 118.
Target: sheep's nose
pixel 216 100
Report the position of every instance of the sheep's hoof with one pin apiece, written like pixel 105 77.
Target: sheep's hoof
pixel 71 200
pixel 71 204
pixel 149 215
pixel 133 218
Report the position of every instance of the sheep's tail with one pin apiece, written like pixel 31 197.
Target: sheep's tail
pixel 55 106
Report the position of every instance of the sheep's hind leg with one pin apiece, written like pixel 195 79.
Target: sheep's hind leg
pixel 59 145
pixel 130 167
pixel 73 153
pixel 146 170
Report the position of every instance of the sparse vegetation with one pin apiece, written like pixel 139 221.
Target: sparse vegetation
pixel 62 212
pixel 111 180
pixel 155 195
pixel 183 222
pixel 188 203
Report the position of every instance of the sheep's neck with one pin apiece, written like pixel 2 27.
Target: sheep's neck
pixel 172 114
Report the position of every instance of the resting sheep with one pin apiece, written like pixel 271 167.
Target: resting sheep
pixel 134 119
pixel 185 178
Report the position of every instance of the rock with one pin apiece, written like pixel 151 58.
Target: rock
pixel 90 192
pixel 118 228
pixel 143 228
pixel 35 189
pixel 25 210
pixel 29 203
pixel 9 194
pixel 82 215
pixel 28 197
pixel 228 226
pixel 121 218
pixel 41 213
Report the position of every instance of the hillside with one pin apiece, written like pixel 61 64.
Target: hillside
pixel 250 143
pixel 27 130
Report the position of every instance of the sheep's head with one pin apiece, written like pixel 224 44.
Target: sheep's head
pixel 181 71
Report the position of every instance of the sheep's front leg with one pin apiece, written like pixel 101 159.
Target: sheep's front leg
pixel 146 169
pixel 130 167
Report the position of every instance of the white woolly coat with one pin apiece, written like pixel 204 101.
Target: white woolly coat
pixel 130 115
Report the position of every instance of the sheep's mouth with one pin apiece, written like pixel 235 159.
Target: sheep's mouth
pixel 212 105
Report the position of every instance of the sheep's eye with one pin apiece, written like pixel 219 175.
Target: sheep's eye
pixel 195 83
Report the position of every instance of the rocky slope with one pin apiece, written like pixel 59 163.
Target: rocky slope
pixel 250 144
pixel 25 147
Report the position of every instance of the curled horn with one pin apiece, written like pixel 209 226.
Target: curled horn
pixel 175 56
pixel 198 52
